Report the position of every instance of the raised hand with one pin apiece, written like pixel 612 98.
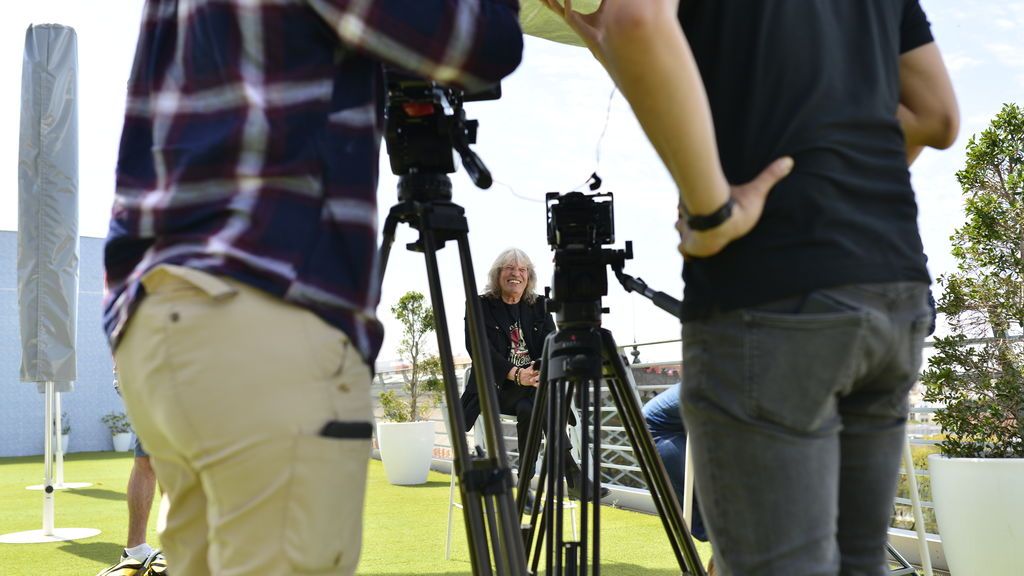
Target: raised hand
pixel 749 201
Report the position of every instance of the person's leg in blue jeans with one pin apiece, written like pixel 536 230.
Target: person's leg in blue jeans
pixel 872 440
pixel 796 411
pixel 665 423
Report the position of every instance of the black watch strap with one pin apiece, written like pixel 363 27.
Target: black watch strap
pixel 713 220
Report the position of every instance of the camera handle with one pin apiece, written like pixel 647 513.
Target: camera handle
pixel 463 134
pixel 667 303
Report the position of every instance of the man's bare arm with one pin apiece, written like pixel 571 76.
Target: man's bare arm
pixel 643 48
pixel 928 111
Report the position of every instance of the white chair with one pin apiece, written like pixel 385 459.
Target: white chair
pixel 915 498
pixel 476 438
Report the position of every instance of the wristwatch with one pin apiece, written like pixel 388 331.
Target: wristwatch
pixel 713 220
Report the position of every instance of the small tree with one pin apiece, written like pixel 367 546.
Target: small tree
pixel 423 383
pixel 976 372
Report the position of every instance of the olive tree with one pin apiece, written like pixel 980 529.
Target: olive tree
pixel 423 383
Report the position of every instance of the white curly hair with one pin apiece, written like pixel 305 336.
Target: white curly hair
pixel 515 257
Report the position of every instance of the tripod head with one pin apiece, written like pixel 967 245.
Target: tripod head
pixel 424 124
pixel 579 225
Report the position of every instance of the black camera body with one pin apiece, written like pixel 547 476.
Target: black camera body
pixel 579 226
pixel 425 124
pixel 579 220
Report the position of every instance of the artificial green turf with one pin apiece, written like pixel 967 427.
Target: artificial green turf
pixel 101 506
pixel 404 526
pixel 408 523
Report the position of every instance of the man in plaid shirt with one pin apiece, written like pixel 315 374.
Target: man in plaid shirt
pixel 242 258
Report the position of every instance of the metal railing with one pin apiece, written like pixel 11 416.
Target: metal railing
pixel 620 466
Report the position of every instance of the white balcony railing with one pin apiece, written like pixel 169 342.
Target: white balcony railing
pixel 621 469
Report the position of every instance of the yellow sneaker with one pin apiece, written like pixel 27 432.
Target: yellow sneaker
pixel 155 565
pixel 128 566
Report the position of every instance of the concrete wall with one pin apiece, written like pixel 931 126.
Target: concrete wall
pixel 21 405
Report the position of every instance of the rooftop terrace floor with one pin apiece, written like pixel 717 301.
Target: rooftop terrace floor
pixel 404 527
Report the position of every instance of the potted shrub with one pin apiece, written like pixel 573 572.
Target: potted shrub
pixel 120 430
pixel 977 372
pixel 406 439
pixel 63 434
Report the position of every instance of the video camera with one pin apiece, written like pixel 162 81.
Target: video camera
pixel 576 220
pixel 579 225
pixel 425 122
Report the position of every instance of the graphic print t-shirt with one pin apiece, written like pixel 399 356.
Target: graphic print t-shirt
pixel 518 354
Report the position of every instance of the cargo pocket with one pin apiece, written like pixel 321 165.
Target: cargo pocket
pixel 323 526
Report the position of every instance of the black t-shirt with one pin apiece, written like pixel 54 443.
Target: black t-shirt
pixel 817 80
pixel 512 323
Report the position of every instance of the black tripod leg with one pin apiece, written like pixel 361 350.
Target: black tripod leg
pixel 587 489
pixel 534 533
pixel 650 463
pixel 555 452
pixel 527 460
pixel 537 417
pixel 594 450
pixel 905 568
pixel 548 410
pixel 511 551
pixel 561 557
pixel 472 510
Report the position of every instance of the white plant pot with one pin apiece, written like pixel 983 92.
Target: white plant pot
pixel 406 449
pixel 123 442
pixel 979 504
pixel 64 443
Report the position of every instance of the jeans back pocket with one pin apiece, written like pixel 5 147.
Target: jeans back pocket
pixel 797 362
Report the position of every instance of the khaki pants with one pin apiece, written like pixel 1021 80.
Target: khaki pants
pixel 229 389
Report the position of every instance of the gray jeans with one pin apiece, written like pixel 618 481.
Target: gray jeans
pixel 796 411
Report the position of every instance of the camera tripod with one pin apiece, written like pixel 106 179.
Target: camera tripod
pixel 577 362
pixel 485 482
pixel 577 359
pixel 425 122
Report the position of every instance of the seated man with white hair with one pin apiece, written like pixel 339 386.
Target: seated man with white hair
pixel 515 326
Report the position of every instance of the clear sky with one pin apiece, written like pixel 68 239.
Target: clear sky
pixel 541 136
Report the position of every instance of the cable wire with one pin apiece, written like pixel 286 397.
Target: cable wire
pixel 597 155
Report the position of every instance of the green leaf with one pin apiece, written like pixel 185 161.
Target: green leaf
pixel 423 379
pixel 979 383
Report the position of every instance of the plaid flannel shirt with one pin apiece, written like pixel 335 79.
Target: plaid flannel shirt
pixel 251 141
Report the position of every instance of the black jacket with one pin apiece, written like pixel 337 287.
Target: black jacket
pixel 536 324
